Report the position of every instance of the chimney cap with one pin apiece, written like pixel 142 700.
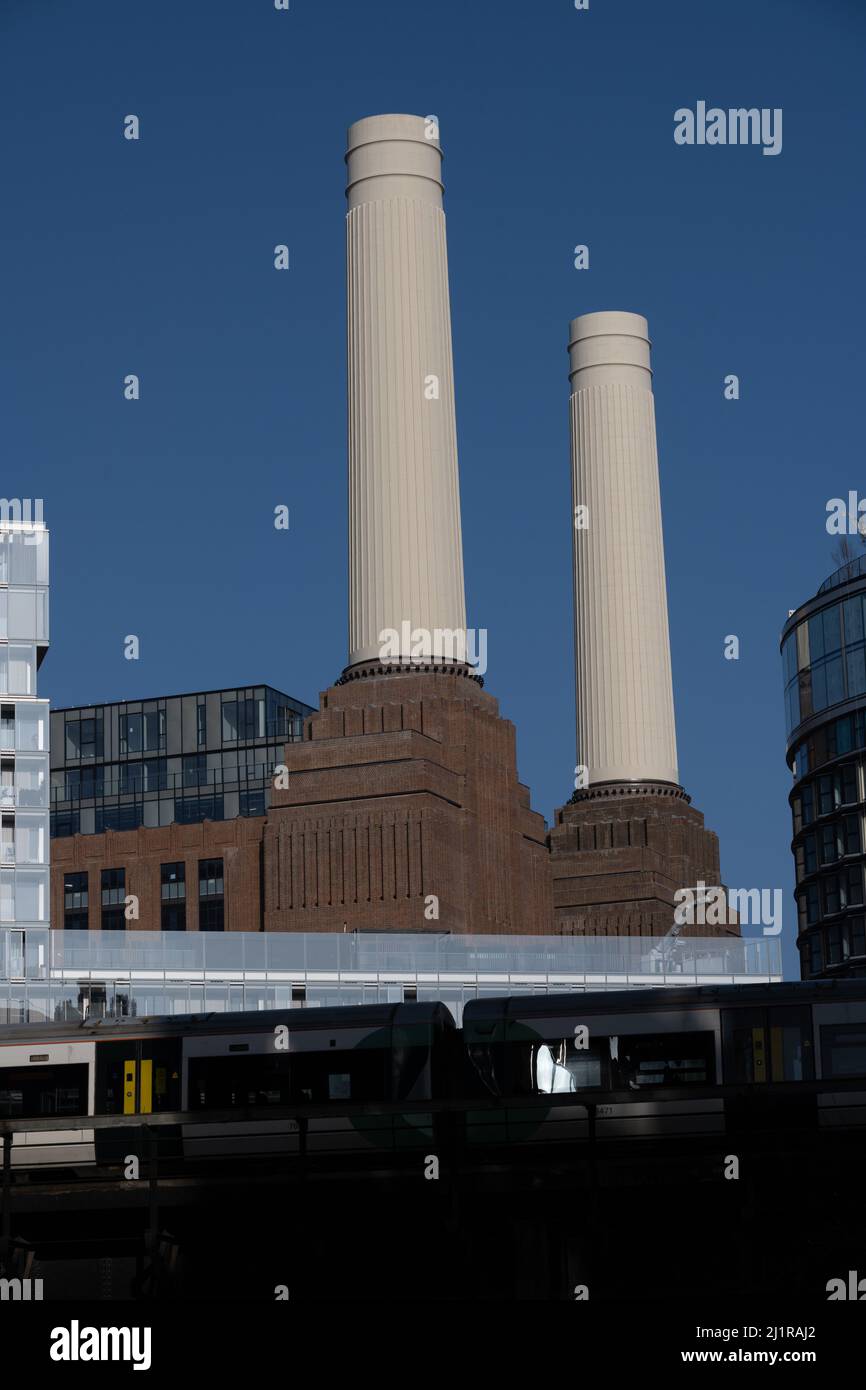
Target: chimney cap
pixel 612 340
pixel 393 156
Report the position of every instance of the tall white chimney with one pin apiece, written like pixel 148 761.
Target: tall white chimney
pixel 405 550
pixel 625 707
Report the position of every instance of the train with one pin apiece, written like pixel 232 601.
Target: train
pixel 521 1069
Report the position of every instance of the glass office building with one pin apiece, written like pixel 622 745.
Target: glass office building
pixel 174 759
pixel 24 731
pixel 824 664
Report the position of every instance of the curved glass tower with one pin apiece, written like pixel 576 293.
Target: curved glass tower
pixel 824 664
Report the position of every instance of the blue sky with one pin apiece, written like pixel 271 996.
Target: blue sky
pixel 156 257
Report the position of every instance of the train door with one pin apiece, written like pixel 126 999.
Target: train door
pixel 137 1077
pixel 768 1044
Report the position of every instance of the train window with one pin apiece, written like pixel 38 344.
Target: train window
pixel 234 1083
pixel 483 1070
pixel 767 1044
pixel 411 1050
pixel 363 1074
pixel 843 1049
pixel 29 1092
pixel 551 1066
pixel 311 1078
pixel 663 1059
pixel 633 1062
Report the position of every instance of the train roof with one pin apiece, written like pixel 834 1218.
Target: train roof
pixel 261 1020
pixel 664 997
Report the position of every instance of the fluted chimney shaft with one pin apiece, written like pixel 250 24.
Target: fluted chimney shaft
pixel 625 708
pixel 405 550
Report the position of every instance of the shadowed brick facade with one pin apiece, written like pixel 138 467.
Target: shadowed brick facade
pixel 142 852
pixel 402 788
pixel 405 786
pixel 618 856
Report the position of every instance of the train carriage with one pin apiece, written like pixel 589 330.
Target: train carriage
pixel 224 1063
pixel 665 1062
pixel 656 1063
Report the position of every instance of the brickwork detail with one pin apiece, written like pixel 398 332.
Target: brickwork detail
pixel 405 786
pixel 141 852
pixel 617 862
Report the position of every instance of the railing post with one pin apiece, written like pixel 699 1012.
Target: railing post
pixel 6 1228
pixel 152 1238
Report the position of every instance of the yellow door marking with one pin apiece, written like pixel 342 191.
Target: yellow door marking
pixel 146 1086
pixel 129 1088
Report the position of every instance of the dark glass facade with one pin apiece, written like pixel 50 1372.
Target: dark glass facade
pixel 179 758
pixel 824 665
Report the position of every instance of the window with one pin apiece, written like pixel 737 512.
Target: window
pixel 64 823
pixel 830 849
pixel 173 916
pixel 172 881
pixel 843 1049
pixel 149 775
pixel 130 733
pixel 201 725
pixel 810 858
pixel 75 902
pixel 153 723
pixel 825 796
pixel 31 837
pixel 21 671
pixel 851 838
pixel 7 726
pixel 815 953
pixel 251 803
pixel 211 915
pixel 211 902
pixel 847 785
pixel 31 1092
pixel 190 810
pixel 31 731
pixel 118 817
pixel 26 614
pixel 142 733
pixel 856 668
pixel 113 899
pixel 84 783
pixel 243 719
pixel 7 782
pixel 84 738
pixel 173 893
pixel 853 609
pixel 809 909
pixel 807 808
pixel 852 887
pixel 210 878
pixel 195 771
pixel 226 1083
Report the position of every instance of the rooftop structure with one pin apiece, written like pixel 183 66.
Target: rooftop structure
pixel 77 974
pixel 183 759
